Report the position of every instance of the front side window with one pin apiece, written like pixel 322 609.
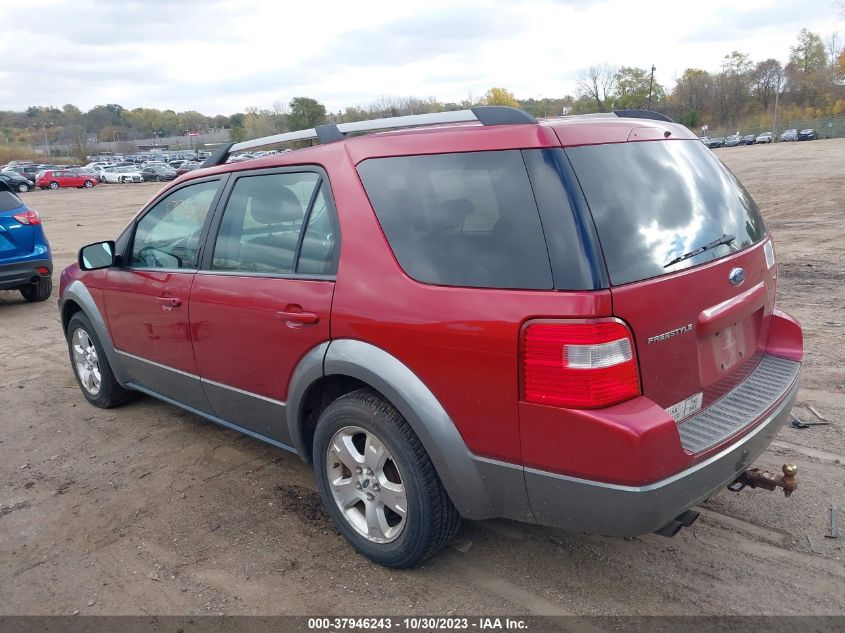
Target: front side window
pixel 168 236
pixel 262 222
pixel 465 219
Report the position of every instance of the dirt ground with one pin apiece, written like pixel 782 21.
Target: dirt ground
pixel 146 509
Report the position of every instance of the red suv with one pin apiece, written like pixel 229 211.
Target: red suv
pixel 55 178
pixel 568 322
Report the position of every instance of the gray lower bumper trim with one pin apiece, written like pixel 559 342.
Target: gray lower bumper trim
pixel 616 510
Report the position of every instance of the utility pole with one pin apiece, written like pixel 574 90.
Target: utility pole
pixel 775 117
pixel 650 84
pixel 46 142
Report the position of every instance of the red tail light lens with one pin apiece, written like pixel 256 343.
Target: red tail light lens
pixel 30 217
pixel 579 365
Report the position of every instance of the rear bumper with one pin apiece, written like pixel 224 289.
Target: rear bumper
pixel 617 510
pixel 19 274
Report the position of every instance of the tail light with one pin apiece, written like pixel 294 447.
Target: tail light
pixel 30 217
pixel 578 365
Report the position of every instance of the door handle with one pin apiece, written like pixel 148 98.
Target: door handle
pixel 293 316
pixel 168 303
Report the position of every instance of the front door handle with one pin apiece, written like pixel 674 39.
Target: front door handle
pixel 168 303
pixel 294 317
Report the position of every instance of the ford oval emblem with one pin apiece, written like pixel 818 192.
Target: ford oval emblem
pixel 737 276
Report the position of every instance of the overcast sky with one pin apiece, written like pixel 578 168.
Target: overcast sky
pixel 221 56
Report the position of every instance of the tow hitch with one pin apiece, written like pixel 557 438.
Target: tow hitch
pixel 756 478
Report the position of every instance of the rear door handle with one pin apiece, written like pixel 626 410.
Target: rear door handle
pixel 168 303
pixel 293 316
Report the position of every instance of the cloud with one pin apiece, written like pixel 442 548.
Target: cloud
pixel 220 56
pixel 736 24
pixel 422 37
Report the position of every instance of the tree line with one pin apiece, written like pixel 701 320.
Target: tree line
pixel 742 93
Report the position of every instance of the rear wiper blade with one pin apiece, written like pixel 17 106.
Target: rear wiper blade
pixel 725 239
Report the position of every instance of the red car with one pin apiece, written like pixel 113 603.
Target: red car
pixel 56 178
pixel 569 322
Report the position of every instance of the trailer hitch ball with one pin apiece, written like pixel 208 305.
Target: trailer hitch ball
pixel 755 478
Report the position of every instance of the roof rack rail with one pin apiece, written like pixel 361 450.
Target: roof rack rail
pixel 486 115
pixel 643 114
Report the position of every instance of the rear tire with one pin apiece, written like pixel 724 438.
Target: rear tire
pixel 400 475
pixel 23 187
pixel 91 366
pixel 54 185
pixel 39 291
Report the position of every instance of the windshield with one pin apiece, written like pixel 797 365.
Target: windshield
pixel 655 201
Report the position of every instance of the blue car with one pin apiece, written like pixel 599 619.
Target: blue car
pixel 25 260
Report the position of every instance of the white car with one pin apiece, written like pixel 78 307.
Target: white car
pixel 121 175
pixel 765 137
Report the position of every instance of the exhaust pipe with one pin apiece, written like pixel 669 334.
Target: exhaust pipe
pixel 34 280
pixel 685 519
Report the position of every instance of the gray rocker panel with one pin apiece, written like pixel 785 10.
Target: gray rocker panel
pixel 263 415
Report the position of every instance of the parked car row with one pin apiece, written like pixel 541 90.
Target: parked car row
pixel 23 176
pixel 737 139
pixel 154 170
pixel 808 134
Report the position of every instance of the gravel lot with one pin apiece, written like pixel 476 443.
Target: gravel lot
pixel 146 509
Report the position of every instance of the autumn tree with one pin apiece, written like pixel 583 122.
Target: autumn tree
pixel 733 86
pixel 500 97
pixel 691 93
pixel 596 84
pixel 635 89
pixel 808 71
pixel 767 80
pixel 305 113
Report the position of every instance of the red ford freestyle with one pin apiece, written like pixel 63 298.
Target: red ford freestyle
pixel 469 314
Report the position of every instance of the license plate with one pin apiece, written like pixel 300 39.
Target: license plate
pixel 686 408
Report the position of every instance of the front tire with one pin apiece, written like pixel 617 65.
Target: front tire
pixel 23 187
pixel 91 366
pixel 54 185
pixel 88 184
pixel 378 483
pixel 39 291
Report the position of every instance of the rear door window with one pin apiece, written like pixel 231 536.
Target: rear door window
pixel 466 219
pixel 262 222
pixel 655 201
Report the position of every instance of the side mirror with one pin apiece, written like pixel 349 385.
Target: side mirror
pixel 96 256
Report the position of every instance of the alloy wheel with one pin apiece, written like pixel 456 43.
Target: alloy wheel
pixel 366 484
pixel 86 361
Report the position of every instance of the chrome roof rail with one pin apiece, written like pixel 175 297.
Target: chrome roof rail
pixel 486 115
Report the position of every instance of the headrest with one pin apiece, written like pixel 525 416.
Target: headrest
pixel 271 205
pixel 450 215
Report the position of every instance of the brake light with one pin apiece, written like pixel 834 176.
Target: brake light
pixel 30 217
pixel 578 365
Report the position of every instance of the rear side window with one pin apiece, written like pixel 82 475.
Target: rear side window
pixel 9 201
pixel 460 219
pixel 655 201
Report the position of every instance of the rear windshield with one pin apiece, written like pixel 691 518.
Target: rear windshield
pixel 9 201
pixel 461 219
pixel 654 201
